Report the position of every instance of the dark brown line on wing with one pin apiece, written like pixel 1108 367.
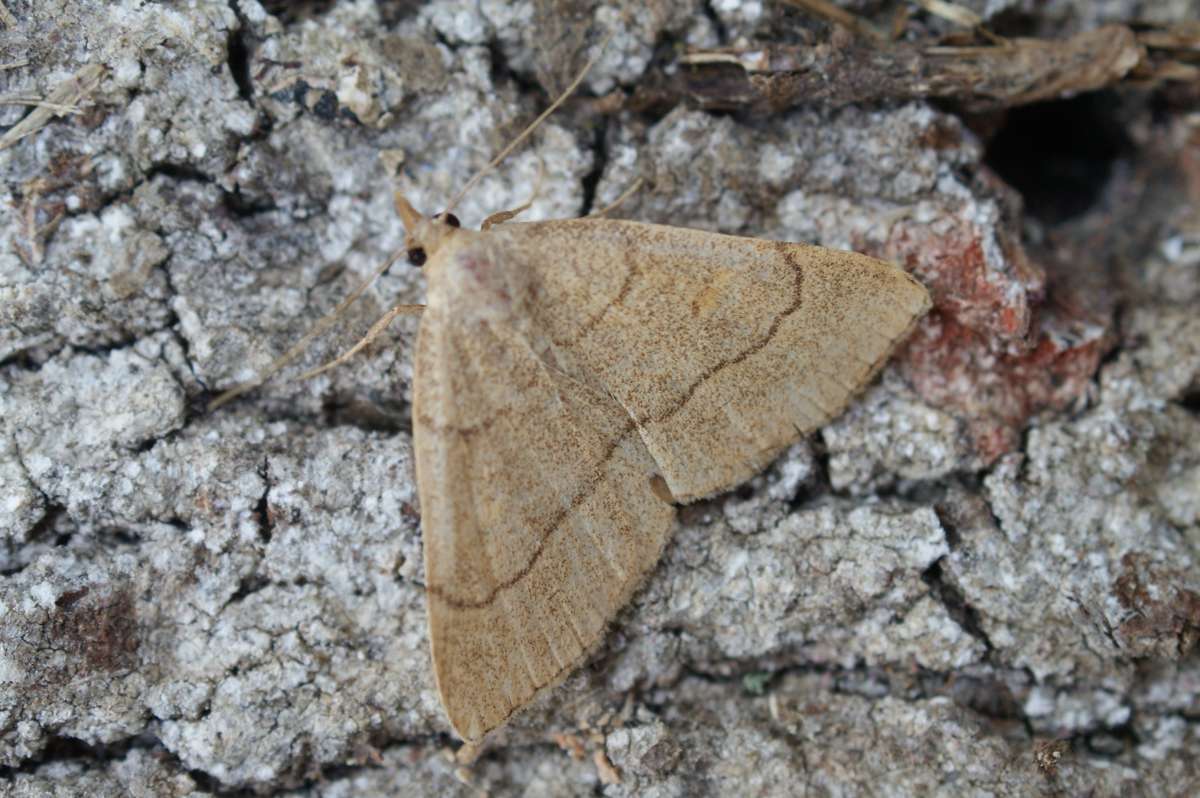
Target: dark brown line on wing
pixel 469 431
pixel 584 329
pixel 590 488
pixel 547 532
pixel 758 346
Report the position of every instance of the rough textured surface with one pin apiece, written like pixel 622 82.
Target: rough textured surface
pixel 982 579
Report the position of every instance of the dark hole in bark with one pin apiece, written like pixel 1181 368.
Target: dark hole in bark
pixel 289 11
pixel 239 65
pixel 1059 155
pixel 1191 401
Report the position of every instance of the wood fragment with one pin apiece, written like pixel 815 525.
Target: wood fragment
pixel 1183 37
pixel 604 769
pixel 777 77
pixel 1152 75
pixel 952 12
pixel 1048 755
pixel 839 16
pixel 65 95
pixel 1172 56
pixel 571 744
pixel 899 22
pixel 25 99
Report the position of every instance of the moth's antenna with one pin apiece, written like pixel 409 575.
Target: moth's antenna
pixel 626 194
pixel 327 322
pixel 504 153
pixel 298 347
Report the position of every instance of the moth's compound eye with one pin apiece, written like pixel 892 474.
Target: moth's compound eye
pixel 416 256
pixel 450 219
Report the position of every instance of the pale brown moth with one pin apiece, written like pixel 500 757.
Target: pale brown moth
pixel 562 369
pixel 573 380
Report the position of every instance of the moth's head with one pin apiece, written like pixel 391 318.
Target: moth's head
pixel 423 235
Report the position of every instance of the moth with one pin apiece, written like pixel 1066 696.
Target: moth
pixel 575 379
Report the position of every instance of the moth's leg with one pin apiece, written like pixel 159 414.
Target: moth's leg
pixel 626 194
pixel 504 216
pixel 376 330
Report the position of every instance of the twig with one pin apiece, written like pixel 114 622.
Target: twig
pixel 24 99
pixel 775 77
pixel 65 94
pixel 953 12
pixel 1184 38
pixel 839 16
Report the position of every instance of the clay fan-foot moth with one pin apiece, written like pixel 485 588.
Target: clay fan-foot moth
pixel 573 380
pixel 565 372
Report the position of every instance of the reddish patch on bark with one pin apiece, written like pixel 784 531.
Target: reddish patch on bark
pixel 1010 320
pixel 1165 616
pixel 952 264
pixel 1001 345
pixel 101 632
pixel 955 367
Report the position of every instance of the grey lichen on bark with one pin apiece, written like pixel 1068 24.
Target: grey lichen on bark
pixel 194 602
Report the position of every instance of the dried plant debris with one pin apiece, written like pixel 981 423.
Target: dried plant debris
pixel 769 78
pixel 63 99
pixel 838 16
pixel 1173 54
pixel 1048 754
pixel 971 67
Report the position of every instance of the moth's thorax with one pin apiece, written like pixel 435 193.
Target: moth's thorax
pixel 469 276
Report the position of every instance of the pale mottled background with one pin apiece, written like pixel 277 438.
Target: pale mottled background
pixel 995 547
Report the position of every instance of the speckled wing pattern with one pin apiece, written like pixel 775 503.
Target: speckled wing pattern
pixel 643 351
pixel 724 350
pixel 537 512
